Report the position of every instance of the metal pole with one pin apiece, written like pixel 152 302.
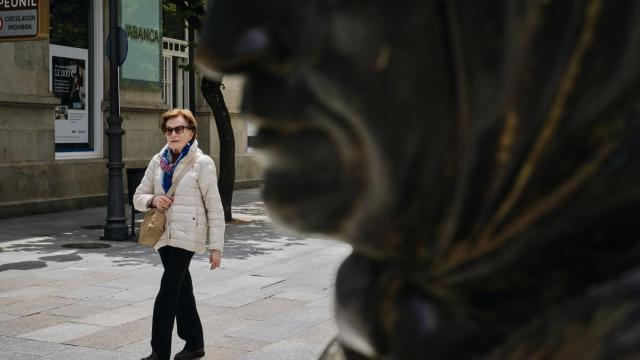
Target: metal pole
pixel 116 227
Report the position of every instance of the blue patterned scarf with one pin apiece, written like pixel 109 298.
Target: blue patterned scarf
pixel 168 168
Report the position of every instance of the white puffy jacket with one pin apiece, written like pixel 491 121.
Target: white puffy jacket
pixel 196 207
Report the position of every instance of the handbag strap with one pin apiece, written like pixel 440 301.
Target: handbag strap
pixel 179 176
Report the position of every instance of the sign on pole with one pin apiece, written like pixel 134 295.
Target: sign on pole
pixel 24 20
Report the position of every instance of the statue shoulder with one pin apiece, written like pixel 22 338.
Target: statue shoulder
pixel 600 325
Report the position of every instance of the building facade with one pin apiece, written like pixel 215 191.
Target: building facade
pixel 54 104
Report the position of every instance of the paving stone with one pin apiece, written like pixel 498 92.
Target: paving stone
pixel 202 275
pixel 302 294
pixel 141 278
pixel 29 292
pixel 118 336
pixel 25 324
pixel 137 294
pixel 146 304
pixel 250 281
pixel 219 353
pixel 212 290
pixel 121 355
pixel 208 290
pixel 13 279
pixel 5 317
pixel 78 352
pixel 77 310
pixel 321 333
pixel 128 282
pixel 235 343
pixel 223 324
pixel 63 273
pixel 242 265
pixel 40 304
pixel 115 317
pixel 140 348
pixel 207 312
pixel 89 292
pixel 62 333
pixel 20 278
pixel 239 297
pixel 321 277
pixel 84 280
pixel 288 285
pixel 128 356
pixel 7 301
pixel 287 269
pixel 105 302
pixel 5 355
pixel 285 325
pixel 326 302
pixel 265 309
pixel 14 345
pixel 287 350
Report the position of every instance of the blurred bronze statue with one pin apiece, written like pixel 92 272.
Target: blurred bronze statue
pixel 481 157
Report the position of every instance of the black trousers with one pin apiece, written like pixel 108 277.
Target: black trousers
pixel 175 300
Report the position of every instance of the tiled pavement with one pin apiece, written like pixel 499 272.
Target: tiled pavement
pixel 272 298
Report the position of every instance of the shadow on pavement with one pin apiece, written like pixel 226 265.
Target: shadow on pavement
pixel 256 237
pixel 23 265
pixel 244 239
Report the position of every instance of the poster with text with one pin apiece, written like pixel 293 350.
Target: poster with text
pixel 68 81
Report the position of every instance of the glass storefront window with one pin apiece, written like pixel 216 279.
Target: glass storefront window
pixel 173 26
pixel 69 23
pixel 71 75
pixel 74 76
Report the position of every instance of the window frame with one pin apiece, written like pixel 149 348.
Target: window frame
pixel 96 86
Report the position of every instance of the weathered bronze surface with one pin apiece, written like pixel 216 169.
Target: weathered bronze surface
pixel 482 157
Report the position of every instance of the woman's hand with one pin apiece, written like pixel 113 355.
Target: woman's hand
pixel 214 258
pixel 161 202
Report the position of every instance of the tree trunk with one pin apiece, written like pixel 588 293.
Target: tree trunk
pixel 213 95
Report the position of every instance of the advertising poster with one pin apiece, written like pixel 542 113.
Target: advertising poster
pixel 69 83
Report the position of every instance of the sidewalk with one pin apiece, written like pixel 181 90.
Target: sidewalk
pixel 64 294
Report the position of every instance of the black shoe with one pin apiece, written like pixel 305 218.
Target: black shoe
pixel 189 354
pixel 153 356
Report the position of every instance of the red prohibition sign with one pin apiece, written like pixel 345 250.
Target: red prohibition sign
pixel 1 23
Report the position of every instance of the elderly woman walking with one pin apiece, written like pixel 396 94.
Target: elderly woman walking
pixel 193 211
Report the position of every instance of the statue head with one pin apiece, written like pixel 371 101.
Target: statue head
pixel 350 104
pixel 456 145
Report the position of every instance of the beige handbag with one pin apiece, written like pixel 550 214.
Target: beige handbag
pixel 155 220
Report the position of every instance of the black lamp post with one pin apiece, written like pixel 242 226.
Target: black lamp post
pixel 116 227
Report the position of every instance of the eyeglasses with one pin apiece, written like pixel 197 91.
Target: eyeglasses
pixel 178 129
